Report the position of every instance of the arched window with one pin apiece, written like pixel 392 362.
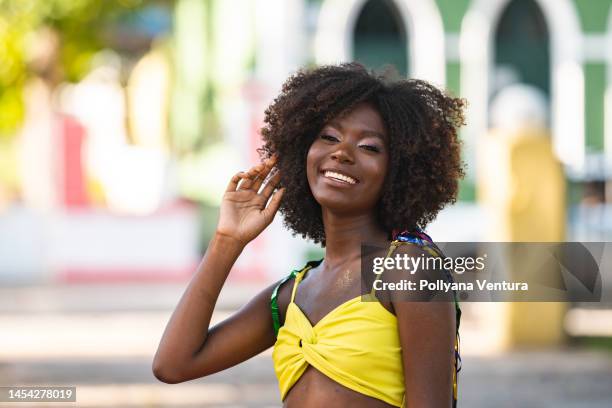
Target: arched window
pixel 380 37
pixel 522 50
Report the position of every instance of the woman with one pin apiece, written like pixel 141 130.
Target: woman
pixel 351 157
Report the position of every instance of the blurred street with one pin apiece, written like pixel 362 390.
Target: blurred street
pixel 101 339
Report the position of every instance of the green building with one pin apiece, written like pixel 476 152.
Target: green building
pixel 474 48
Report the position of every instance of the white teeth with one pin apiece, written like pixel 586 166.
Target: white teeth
pixel 341 177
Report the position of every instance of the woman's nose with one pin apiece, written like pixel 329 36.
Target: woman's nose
pixel 343 153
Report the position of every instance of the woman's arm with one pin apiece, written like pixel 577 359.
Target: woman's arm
pixel 188 348
pixel 427 337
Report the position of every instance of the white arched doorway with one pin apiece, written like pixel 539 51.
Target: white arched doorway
pixel 336 25
pixel 567 78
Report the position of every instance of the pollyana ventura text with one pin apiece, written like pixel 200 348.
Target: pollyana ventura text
pixel 443 286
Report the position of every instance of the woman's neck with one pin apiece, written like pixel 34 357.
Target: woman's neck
pixel 345 235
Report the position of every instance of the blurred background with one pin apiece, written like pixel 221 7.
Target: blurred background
pixel 121 122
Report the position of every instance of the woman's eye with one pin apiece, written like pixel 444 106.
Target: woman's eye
pixel 371 148
pixel 329 137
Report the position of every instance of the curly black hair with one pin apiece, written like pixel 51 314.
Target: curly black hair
pixel 424 150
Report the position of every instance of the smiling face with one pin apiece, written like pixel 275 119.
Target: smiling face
pixel 347 162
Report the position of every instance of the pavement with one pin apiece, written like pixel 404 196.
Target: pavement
pixel 101 339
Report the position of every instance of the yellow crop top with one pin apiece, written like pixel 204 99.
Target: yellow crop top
pixel 356 344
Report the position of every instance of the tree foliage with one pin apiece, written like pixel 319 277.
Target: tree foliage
pixel 80 25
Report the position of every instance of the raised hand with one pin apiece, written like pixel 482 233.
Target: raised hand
pixel 244 213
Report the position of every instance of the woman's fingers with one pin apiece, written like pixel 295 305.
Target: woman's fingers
pixel 273 205
pixel 271 185
pixel 249 177
pixel 233 184
pixel 253 178
pixel 268 165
